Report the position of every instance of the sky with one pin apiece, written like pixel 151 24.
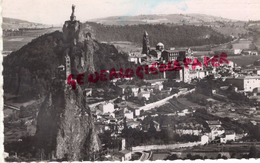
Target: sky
pixel 57 11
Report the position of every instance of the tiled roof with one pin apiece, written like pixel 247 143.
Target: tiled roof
pixel 217 128
pixel 133 122
pixel 155 80
pixel 170 51
pixel 214 122
pixel 124 86
pixel 244 77
pixel 227 132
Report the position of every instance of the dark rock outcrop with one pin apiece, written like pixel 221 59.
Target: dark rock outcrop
pixel 71 31
pixel 29 71
pixel 65 127
pixel 79 45
pixel 82 56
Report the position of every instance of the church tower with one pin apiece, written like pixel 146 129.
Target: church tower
pixel 68 66
pixel 146 46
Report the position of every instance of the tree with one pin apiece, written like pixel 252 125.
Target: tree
pixel 143 101
pixel 152 98
pixel 189 156
pixel 172 157
pixel 233 155
pixel 229 46
pixel 24 112
pixel 106 91
pixel 226 119
pixel 128 92
pixel 196 157
pixel 152 129
pixel 252 46
pixel 219 156
pixel 125 124
pixel 29 155
pixel 252 152
pixel 40 154
pixel 174 91
pixel 201 111
pixel 224 157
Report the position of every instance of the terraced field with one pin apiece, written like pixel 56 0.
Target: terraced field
pixel 13 43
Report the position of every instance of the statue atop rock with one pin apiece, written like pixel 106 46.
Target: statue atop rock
pixel 73 17
pixel 65 127
pixel 71 29
pixel 80 46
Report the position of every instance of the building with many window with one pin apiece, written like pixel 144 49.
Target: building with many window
pixel 170 55
pixel 245 83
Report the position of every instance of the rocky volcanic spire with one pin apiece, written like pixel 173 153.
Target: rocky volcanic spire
pixel 71 29
pixel 65 127
pixel 79 45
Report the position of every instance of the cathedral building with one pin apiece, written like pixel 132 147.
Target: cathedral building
pixel 157 53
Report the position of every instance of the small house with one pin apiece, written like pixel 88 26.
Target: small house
pixel 144 94
pixel 107 107
pixel 204 139
pixel 133 124
pixel 213 124
pixel 216 131
pixel 88 92
pixel 129 115
pixel 230 135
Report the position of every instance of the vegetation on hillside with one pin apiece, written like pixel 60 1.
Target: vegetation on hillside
pixel 178 36
pixel 29 71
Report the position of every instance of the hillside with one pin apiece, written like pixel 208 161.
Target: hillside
pixel 157 19
pixel 11 23
pixel 28 72
pixel 222 25
pixel 170 36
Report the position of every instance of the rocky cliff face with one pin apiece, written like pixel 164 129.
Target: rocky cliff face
pixel 79 45
pixel 82 57
pixel 65 127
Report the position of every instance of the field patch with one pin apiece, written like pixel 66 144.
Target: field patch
pixel 126 46
pixel 159 156
pixel 231 30
pixel 242 44
pixel 13 132
pixel 13 43
pixel 187 102
pixel 16 39
pixel 243 60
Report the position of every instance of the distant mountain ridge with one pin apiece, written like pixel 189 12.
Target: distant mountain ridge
pixel 192 19
pixel 11 23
